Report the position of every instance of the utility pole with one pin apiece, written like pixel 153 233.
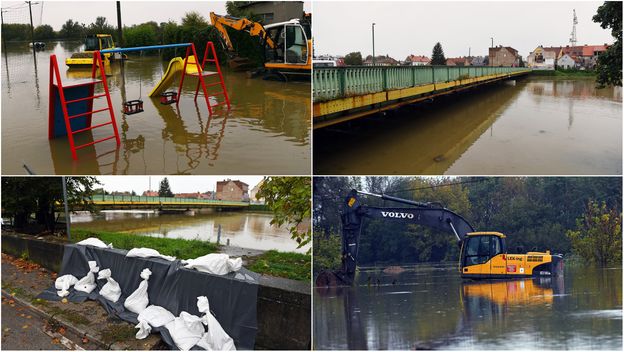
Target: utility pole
pixel 67 216
pixel 492 38
pixel 469 51
pixel 373 43
pixel 119 29
pixel 2 24
pixel 32 29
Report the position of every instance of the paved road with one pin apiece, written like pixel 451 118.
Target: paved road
pixel 23 330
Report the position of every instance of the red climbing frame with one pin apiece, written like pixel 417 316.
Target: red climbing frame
pixel 201 73
pixel 54 74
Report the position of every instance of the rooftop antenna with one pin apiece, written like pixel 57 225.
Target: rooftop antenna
pixel 573 34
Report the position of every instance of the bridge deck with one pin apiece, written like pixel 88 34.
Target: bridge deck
pixel 345 93
pixel 103 200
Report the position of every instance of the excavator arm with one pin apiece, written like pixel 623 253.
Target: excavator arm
pixel 240 24
pixel 353 213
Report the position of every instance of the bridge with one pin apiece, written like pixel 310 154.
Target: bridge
pixel 173 203
pixel 342 94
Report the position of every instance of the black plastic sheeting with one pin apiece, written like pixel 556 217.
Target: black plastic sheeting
pixel 232 297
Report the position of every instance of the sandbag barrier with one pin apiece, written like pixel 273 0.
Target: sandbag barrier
pixel 232 297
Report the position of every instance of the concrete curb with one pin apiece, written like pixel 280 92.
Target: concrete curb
pixel 43 314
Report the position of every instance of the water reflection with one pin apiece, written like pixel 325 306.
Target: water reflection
pixel 529 126
pixel 266 131
pixel 431 308
pixel 243 229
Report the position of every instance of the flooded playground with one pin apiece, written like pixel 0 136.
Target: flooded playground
pixel 267 130
pixel 240 229
pixel 530 126
pixel 430 307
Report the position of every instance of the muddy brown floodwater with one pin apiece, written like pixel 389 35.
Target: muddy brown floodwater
pixel 532 126
pixel 267 131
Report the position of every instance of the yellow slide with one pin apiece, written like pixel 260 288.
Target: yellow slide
pixel 175 67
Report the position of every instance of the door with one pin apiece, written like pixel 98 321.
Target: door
pixel 477 254
pixel 498 261
pixel 296 48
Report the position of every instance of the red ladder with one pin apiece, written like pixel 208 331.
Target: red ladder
pixel 54 131
pixel 202 73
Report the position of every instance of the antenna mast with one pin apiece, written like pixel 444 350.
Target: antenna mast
pixel 573 34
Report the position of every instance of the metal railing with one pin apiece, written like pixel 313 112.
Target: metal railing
pixel 341 82
pixel 123 199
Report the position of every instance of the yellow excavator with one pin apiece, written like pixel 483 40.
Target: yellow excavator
pixel 84 59
pixel 288 45
pixel 483 255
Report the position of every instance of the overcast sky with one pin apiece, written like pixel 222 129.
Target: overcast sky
pixel 55 13
pixel 178 184
pixel 404 28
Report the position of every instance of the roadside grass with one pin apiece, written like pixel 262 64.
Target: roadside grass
pixel 179 248
pixel 288 265
pixel 295 266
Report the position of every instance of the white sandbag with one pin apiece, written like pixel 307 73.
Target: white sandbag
pixel 63 284
pixel 215 339
pixel 215 263
pixel 147 253
pixel 152 316
pixel 87 283
pixel 96 242
pixel 111 290
pixel 186 330
pixel 139 300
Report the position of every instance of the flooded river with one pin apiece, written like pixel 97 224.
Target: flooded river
pixel 532 126
pixel 242 229
pixel 432 308
pixel 267 131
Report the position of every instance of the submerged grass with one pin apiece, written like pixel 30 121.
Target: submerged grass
pixel 179 248
pixel 295 266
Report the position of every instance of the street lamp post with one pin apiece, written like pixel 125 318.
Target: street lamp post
pixel 373 43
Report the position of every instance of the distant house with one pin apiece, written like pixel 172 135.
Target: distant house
pixel 150 194
pixel 195 195
pixel 544 58
pixel 584 55
pixel 417 60
pixel 479 61
pixel 503 56
pixel 254 192
pixel 567 62
pixel 206 195
pixel 458 61
pixel 380 61
pixel 273 11
pixel 232 190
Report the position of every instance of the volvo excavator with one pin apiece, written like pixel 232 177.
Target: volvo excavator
pixel 288 45
pixel 483 255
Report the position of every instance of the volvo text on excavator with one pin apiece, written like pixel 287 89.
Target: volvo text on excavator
pixel 483 255
pixel 287 45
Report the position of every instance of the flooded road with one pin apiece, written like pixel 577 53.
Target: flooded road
pixel 431 308
pixel 242 229
pixel 267 131
pixel 532 126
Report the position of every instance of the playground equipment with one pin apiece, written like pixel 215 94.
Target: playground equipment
pixel 71 105
pixel 92 43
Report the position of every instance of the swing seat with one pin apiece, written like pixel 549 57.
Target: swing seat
pixel 133 107
pixel 167 98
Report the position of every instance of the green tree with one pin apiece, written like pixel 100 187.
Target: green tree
pixel 24 196
pixel 290 200
pixel 142 35
pixel 437 56
pixel 598 235
pixel 609 64
pixel 71 30
pixel 16 31
pixel 353 59
pixel 164 190
pixel 44 32
pixel 101 26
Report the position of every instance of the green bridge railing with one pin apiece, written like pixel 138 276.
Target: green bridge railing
pixel 341 82
pixel 158 200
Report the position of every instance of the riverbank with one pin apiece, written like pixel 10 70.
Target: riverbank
pixel 294 266
pixel 564 74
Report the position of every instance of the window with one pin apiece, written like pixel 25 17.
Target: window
pixel 480 249
pixel 296 46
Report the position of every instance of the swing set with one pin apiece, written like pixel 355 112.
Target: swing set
pixel 71 106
